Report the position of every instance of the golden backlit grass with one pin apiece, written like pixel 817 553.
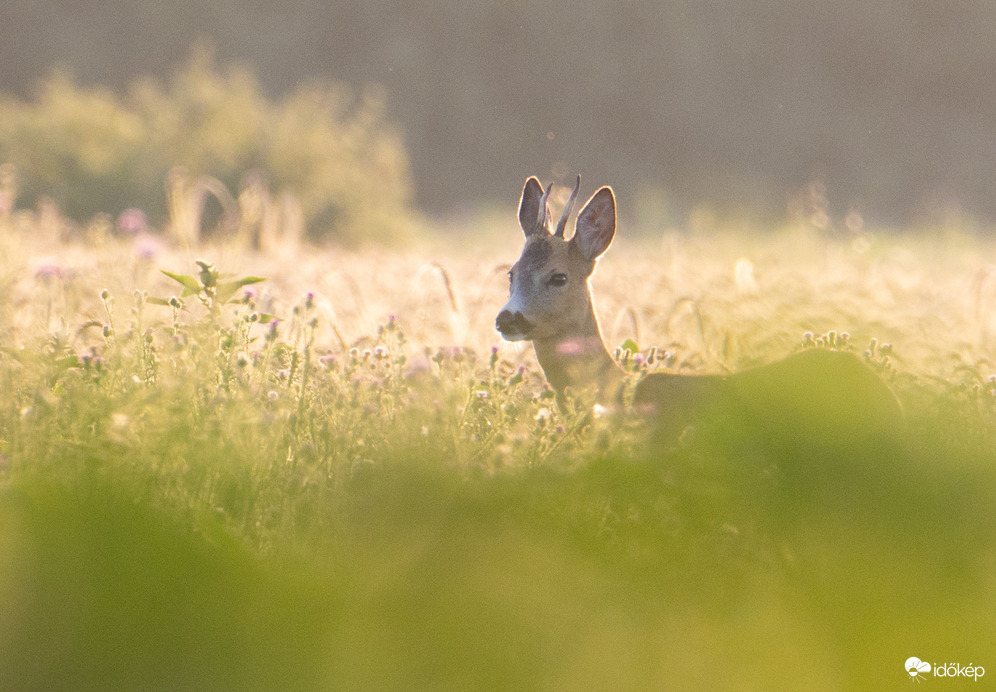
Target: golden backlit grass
pixel 366 494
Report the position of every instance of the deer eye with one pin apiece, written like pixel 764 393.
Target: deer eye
pixel 558 279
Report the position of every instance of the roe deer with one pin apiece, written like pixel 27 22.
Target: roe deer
pixel 815 391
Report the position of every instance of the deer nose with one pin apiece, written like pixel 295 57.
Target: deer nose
pixel 509 322
pixel 505 321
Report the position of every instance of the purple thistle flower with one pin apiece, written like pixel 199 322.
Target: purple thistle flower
pixel 132 221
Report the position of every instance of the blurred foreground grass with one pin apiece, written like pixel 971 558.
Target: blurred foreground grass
pixel 336 483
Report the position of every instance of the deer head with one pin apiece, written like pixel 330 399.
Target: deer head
pixel 549 296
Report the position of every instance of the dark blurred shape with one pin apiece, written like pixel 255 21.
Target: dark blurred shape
pixel 111 595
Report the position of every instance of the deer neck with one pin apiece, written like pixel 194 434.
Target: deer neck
pixel 579 360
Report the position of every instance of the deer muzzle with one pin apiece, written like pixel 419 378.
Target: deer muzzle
pixel 513 325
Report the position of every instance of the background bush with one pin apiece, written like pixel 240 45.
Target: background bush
pixel 92 150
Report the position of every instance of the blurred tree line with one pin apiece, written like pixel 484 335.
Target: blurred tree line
pixel 735 104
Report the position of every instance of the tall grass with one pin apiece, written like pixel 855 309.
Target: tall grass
pixel 338 478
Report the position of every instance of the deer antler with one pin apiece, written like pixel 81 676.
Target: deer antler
pixel 562 224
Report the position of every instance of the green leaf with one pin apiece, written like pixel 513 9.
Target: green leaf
pixel 230 288
pixel 157 301
pixel 190 284
pixel 631 345
pixel 70 361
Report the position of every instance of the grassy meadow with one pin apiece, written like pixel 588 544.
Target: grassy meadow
pixel 340 478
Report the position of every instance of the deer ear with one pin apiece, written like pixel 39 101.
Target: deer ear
pixel 596 224
pixel 530 206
